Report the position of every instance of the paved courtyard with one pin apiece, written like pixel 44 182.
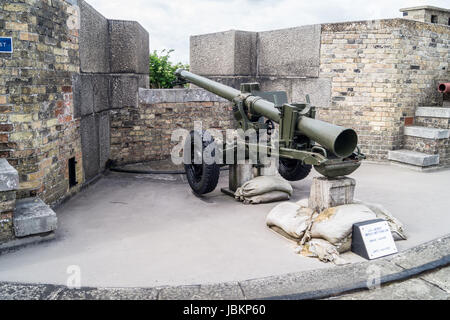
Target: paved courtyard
pixel 131 230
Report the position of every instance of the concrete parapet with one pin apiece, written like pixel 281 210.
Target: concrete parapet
pixel 289 52
pixel 231 53
pixel 129 43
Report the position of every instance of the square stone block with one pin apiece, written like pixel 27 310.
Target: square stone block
pixel 9 177
pixel 94 40
pixel 326 193
pixel 33 216
pixel 129 47
pixel 230 53
pixel 290 52
pixel 124 91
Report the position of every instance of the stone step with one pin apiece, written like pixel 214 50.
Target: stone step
pixel 433 112
pixel 33 216
pixel 413 158
pixel 427 133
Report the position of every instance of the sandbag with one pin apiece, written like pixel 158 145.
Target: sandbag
pixel 290 218
pixel 321 249
pixel 272 196
pixel 397 228
pixel 262 185
pixel 335 224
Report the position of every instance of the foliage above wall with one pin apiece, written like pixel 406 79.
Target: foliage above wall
pixel 162 70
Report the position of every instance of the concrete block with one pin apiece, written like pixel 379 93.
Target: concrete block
pixel 129 47
pixel 427 133
pixel 224 53
pixel 77 97
pixel 290 52
pixel 32 217
pixel 90 147
pixel 124 91
pixel 433 112
pixel 83 95
pixel 7 201
pixel 104 136
pixel 9 177
pixel 326 193
pixel 94 40
pixel 413 158
pixel 101 92
pixel 143 81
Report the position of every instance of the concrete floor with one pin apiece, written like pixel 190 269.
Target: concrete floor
pixel 131 230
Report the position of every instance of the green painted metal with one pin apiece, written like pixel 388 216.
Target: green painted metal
pixel 299 131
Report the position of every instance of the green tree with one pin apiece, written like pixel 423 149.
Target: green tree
pixel 162 70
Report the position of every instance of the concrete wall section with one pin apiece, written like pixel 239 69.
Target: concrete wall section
pixel 289 52
pixel 114 58
pixel 94 40
pixel 129 45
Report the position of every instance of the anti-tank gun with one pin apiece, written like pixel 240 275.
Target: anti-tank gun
pixel 303 141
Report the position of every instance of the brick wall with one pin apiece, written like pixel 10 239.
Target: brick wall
pixel 38 133
pixel 380 72
pixel 144 133
pixel 367 75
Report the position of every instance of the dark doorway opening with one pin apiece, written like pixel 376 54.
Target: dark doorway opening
pixel 72 172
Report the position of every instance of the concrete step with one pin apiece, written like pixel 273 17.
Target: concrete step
pixel 433 112
pixel 414 158
pixel 33 216
pixel 427 133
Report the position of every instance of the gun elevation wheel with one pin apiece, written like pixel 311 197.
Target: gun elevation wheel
pixel 293 170
pixel 203 178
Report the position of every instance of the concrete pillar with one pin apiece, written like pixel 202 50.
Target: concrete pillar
pixel 239 174
pixel 326 193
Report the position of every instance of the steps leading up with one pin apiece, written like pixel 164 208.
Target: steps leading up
pixel 433 112
pixel 33 216
pixel 427 133
pixel 414 158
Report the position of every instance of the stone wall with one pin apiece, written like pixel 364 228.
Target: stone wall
pixel 380 72
pixel 70 67
pixel 9 183
pixel 38 130
pixel 367 75
pixel 114 64
pixel 144 133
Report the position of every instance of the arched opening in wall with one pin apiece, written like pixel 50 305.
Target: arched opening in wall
pixel 434 18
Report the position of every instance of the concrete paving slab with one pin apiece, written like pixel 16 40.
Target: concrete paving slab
pixel 415 289
pixel 440 278
pixel 135 231
pixel 223 291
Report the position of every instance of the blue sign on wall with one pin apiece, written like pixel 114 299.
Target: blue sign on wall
pixel 6 45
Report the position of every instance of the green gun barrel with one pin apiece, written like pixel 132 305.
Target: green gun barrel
pixel 339 140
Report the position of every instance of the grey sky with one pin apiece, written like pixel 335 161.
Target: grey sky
pixel 171 22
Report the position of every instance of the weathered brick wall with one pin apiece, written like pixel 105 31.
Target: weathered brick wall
pixel 368 75
pixel 380 72
pixel 38 132
pixel 144 133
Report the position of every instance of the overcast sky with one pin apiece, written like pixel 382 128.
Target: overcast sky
pixel 171 22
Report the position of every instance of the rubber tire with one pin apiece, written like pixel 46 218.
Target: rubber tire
pixel 293 170
pixel 209 175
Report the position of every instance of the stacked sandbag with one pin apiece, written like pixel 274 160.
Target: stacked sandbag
pixel 264 189
pixel 326 234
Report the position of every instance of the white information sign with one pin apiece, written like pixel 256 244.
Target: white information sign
pixel 378 239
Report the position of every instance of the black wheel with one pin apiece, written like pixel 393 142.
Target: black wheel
pixel 203 178
pixel 293 170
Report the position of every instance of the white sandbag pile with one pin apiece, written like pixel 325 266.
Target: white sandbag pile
pixel 326 234
pixel 264 189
